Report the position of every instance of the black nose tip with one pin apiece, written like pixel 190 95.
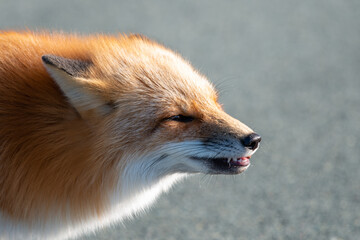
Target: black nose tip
pixel 252 141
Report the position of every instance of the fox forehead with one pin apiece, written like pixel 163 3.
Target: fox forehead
pixel 149 72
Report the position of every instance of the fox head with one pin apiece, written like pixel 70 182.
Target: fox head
pixel 150 103
pixel 102 130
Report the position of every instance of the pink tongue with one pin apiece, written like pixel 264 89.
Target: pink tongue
pixel 244 161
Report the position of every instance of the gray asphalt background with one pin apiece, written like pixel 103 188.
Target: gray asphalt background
pixel 289 69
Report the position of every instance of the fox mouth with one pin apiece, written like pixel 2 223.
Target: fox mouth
pixel 230 165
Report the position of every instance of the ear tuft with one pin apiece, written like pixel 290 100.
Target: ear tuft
pixel 72 67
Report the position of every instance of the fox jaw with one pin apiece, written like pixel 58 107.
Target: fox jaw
pixel 145 119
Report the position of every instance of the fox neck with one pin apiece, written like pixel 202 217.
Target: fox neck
pixel 140 183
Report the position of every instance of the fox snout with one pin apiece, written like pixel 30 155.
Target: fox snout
pixel 222 126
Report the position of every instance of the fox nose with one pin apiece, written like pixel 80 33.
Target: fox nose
pixel 251 141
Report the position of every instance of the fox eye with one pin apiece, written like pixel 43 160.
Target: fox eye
pixel 181 118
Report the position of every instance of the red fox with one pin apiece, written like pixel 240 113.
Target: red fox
pixel 94 128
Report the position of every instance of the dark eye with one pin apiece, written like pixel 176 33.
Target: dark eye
pixel 181 118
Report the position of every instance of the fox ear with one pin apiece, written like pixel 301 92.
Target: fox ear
pixel 70 76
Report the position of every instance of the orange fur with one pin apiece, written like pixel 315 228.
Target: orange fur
pixel 46 150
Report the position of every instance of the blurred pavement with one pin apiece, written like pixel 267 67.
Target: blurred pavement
pixel 289 69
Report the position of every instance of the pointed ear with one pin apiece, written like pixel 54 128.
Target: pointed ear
pixel 70 76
